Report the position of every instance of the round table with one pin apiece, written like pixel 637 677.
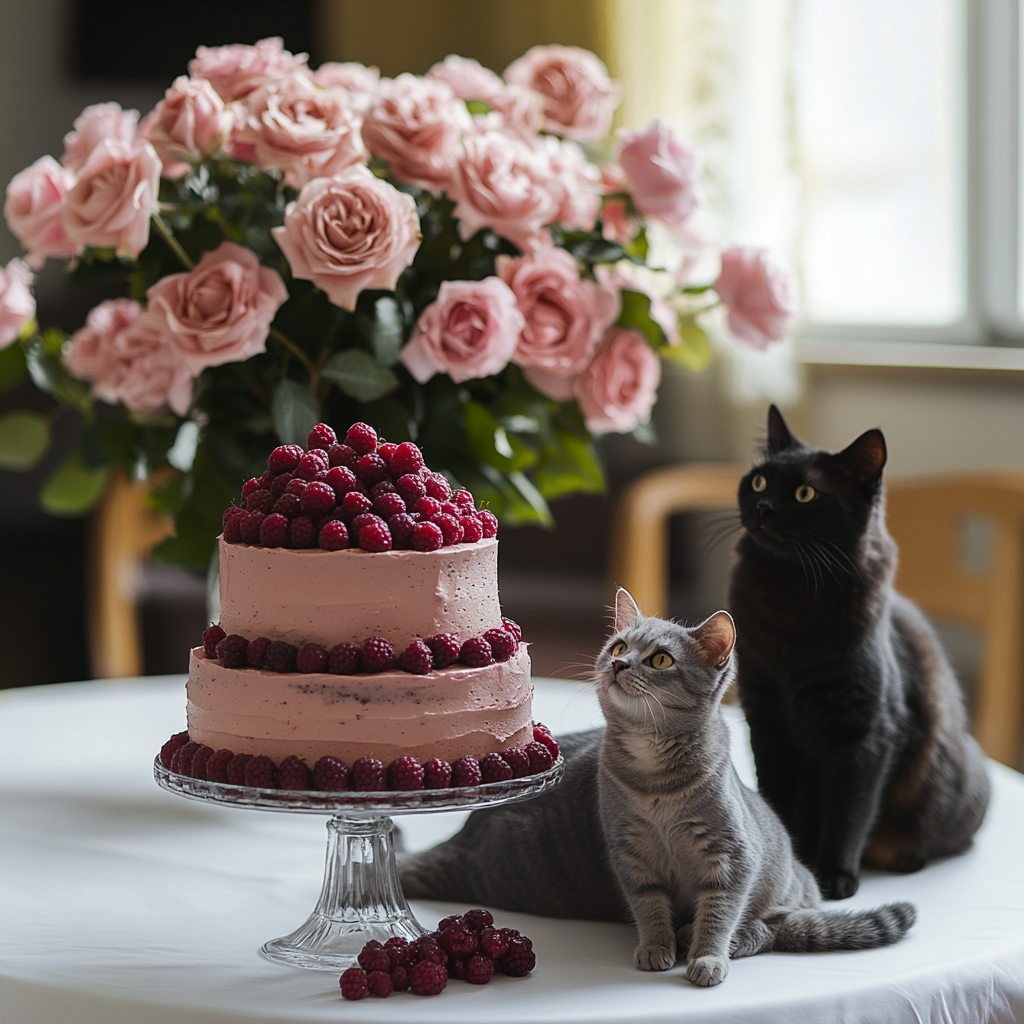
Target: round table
pixel 120 903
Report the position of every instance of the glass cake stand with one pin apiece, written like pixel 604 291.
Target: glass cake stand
pixel 362 896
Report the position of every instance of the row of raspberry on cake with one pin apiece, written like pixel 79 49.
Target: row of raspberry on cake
pixel 366 775
pixel 356 494
pixel 375 654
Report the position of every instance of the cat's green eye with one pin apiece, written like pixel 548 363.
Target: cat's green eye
pixel 619 649
pixel 662 660
pixel 759 483
pixel 805 493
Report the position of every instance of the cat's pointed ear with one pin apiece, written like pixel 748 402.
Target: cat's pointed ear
pixel 716 637
pixel 626 611
pixel 779 437
pixel 865 458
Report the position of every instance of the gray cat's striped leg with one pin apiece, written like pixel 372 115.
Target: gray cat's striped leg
pixel 714 924
pixel 751 938
pixel 652 912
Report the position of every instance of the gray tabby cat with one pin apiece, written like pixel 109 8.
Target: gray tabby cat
pixel 652 824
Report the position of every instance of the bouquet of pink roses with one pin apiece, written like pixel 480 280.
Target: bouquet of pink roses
pixel 438 256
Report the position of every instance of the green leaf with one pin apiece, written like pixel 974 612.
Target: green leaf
pixel 637 249
pixel 359 375
pixel 74 487
pixel 597 250
pixel 182 453
pixel 491 444
pixel 636 313
pixel 571 467
pixel 388 331
pixel 478 106
pixel 295 412
pixel 24 438
pixel 49 375
pixel 693 351
pixel 12 367
pixel 533 499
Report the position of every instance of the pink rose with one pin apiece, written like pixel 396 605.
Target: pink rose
pixel 579 199
pixel 579 97
pixel 359 81
pixel 758 293
pixel 501 182
pixel 190 122
pixel 348 233
pixel 468 78
pixel 661 171
pixel 521 110
pixel 305 131
pixel 469 331
pixel 564 317
pixel 219 312
pixel 93 125
pixel 114 197
pixel 17 306
pixel 234 71
pixel 35 201
pixel 617 391
pixel 415 124
pixel 91 351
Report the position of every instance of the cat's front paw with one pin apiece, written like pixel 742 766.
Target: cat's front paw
pixel 651 956
pixel 837 885
pixel 707 970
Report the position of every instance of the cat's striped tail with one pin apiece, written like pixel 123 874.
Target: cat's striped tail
pixel 816 931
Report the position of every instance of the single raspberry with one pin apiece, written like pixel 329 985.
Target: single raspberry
pixel 280 656
pixel 233 529
pixel 489 522
pixel 400 527
pixel 331 775
pixel 404 774
pixel 250 527
pixel 494 768
pixel 368 775
pixel 236 769
pixel 317 498
pixel 288 505
pixel 399 951
pixel 427 537
pixel 518 961
pixel 274 530
pixel 361 438
pixel 400 978
pixel 266 479
pixel 416 659
pixel 464 499
pixel 371 468
pixel 217 766
pixel 479 969
pixel 232 651
pixel 354 983
pixel 378 654
pixel 451 528
pixel 448 508
pixel 477 920
pixel 518 760
pixel 503 644
pixel 321 436
pixel 426 948
pixel 472 531
pixel 261 773
pixel 447 922
pixel 428 979
pixel 182 760
pixel 293 773
pixel 386 450
pixel 212 636
pixel 540 757
pixel 437 774
pixel 355 504
pixel 375 537
pixel 250 485
pixel 411 488
pixel 388 505
pixel 230 512
pixel 311 658
pixel 428 507
pixel 257 652
pixel 475 652
pixel 542 736
pixel 285 458
pixel 379 983
pixel 382 487
pixel 280 484
pixel 437 486
pixel 445 649
pixel 406 459
pixel 345 660
pixel 512 627
pixel 170 748
pixel 465 772
pixel 312 466
pixel 492 942
pixel 334 536
pixel 260 501
pixel 296 486
pixel 458 940
pixel 457 968
pixel 302 532
pixel 341 455
pixel 199 761
pixel 341 480
pixel 374 957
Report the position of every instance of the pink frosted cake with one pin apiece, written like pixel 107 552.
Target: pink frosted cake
pixel 361 643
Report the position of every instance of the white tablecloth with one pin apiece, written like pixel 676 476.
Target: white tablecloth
pixel 122 904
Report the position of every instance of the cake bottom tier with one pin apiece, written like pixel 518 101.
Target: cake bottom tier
pixel 445 714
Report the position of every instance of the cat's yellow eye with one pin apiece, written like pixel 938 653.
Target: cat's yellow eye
pixel 805 493
pixel 759 483
pixel 662 660
pixel 618 649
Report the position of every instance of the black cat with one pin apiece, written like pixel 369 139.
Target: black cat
pixel 856 719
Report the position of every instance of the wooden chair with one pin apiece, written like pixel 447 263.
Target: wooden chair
pixel 929 519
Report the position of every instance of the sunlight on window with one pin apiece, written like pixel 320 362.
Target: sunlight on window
pixel 881 140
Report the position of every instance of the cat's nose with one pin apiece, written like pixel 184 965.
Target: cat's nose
pixel 765 506
pixel 618 666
